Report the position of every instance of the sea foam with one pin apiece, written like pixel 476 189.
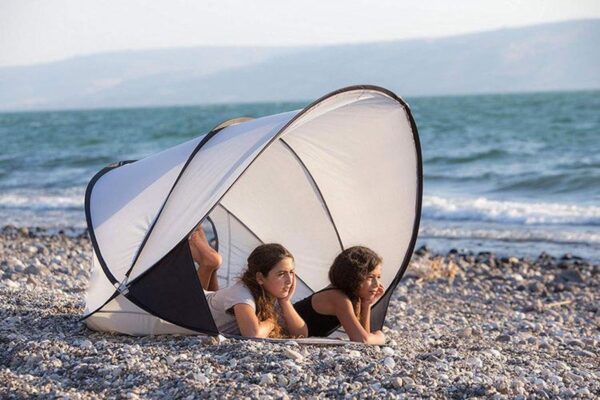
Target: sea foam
pixel 513 212
pixel 40 200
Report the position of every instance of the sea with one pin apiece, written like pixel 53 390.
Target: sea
pixel 516 174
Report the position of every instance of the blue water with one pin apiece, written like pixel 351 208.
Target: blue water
pixel 510 173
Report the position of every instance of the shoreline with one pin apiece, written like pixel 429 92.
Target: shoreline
pixel 459 325
pixel 433 244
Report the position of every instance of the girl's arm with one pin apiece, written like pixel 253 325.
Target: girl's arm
pixel 294 322
pixel 365 316
pixel 344 311
pixel 249 324
pixel 365 308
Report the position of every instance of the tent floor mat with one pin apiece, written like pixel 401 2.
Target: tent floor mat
pixel 337 338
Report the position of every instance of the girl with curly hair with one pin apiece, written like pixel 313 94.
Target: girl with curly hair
pixel 355 287
pixel 259 304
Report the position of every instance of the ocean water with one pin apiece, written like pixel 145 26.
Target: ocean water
pixel 516 174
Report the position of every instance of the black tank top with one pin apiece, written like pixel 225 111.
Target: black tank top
pixel 319 325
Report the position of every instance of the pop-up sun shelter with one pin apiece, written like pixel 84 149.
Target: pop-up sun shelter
pixel 345 170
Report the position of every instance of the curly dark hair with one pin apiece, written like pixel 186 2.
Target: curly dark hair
pixel 263 259
pixel 350 268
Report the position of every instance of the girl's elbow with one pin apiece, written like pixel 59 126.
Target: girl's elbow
pixel 371 338
pixel 302 332
pixel 361 338
pixel 251 332
pixel 377 338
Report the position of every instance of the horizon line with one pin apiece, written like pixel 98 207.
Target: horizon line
pixel 307 101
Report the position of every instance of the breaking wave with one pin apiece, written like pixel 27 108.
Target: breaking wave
pixel 512 212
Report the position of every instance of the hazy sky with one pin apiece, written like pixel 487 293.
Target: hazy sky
pixel 34 31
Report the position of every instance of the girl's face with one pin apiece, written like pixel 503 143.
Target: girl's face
pixel 368 288
pixel 280 278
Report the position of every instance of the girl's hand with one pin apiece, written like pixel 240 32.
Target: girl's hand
pixel 369 301
pixel 379 293
pixel 291 292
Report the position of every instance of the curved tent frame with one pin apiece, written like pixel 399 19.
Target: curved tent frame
pixel 168 299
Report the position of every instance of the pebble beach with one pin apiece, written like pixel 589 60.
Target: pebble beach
pixel 460 325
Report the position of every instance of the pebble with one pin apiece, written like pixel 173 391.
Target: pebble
pixel 475 362
pixel 408 380
pixel 389 362
pixel 218 339
pixel 576 343
pixel 11 284
pixel 86 344
pixel 170 360
pixel 503 338
pixel 32 270
pixel 294 355
pixel 465 333
pixel 388 351
pixel 31 249
pixel 494 353
pixel 502 386
pixel 354 354
pixel 451 334
pixel 267 379
pixel 201 379
pixel 282 380
pixel 569 276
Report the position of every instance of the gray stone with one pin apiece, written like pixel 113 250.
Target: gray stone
pixel 475 362
pixel 503 338
pixel 536 287
pixel 389 362
pixel 267 379
pixel 407 380
pixel 569 276
pixel 201 378
pixel 397 382
pixel 31 249
pixel 354 354
pixel 170 360
pixel 32 270
pixel 388 351
pixel 86 344
pixel 576 343
pixel 465 333
pixel 282 380
pixel 292 354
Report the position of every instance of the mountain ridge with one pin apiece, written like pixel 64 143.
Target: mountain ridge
pixel 546 57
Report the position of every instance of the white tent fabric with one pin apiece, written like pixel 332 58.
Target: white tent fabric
pixel 344 171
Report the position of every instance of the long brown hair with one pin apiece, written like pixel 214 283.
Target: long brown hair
pixel 349 270
pixel 263 259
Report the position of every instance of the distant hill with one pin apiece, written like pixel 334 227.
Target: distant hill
pixel 556 56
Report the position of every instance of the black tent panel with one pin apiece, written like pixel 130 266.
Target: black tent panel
pixel 171 290
pixel 379 311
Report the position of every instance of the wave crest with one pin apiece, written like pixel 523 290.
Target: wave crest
pixel 485 210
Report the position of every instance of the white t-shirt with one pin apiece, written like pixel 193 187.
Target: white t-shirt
pixel 223 300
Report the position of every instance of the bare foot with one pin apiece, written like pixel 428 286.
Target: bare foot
pixel 207 258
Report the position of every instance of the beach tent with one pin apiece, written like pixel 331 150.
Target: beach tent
pixel 343 171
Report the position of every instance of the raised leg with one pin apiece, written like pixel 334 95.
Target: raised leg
pixel 207 258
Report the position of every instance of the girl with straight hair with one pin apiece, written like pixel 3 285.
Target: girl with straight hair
pixel 259 304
